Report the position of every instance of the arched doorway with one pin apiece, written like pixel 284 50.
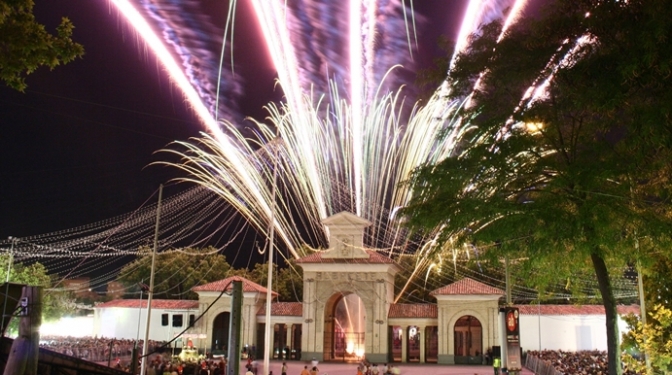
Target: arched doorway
pixel 220 333
pixel 432 344
pixel 413 344
pixel 394 349
pixel 468 340
pixel 344 328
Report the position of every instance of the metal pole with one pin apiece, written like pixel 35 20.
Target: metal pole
pixel 269 281
pixel 11 258
pixel 9 270
pixel 508 284
pixel 539 321
pixel 235 320
pixel 150 292
pixel 137 336
pixel 642 311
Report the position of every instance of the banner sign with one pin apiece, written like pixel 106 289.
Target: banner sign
pixel 512 321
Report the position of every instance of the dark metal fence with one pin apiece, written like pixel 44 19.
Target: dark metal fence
pixel 540 366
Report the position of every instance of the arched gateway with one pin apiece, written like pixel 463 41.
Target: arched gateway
pixel 346 272
pixel 348 312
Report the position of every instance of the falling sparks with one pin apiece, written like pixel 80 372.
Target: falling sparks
pixel 334 154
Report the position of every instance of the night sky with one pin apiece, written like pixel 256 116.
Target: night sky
pixel 77 144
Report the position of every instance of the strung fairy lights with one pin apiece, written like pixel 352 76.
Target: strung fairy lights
pixel 100 248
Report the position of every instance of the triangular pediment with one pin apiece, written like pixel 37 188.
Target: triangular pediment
pixel 346 218
pixel 467 286
pixel 346 236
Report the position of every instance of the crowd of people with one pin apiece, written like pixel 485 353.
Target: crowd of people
pixel 367 368
pixel 118 352
pixel 95 349
pixel 585 362
pixel 162 365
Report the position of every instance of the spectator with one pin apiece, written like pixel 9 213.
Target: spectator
pixel 585 362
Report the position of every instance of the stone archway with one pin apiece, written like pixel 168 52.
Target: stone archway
pixel 220 333
pixel 344 328
pixel 468 340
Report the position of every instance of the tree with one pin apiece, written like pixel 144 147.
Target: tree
pixel 654 339
pixel 176 272
pixel 419 276
pixel 287 281
pixel 657 282
pixel 580 173
pixel 34 274
pixel 25 45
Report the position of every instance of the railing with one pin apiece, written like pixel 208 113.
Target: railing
pixel 540 366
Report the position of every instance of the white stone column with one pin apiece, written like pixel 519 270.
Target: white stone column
pixel 288 335
pixel 423 338
pixel 404 344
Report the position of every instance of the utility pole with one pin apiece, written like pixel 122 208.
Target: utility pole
pixel 642 309
pixel 22 359
pixel 269 281
pixel 233 354
pixel 507 281
pixel 150 292
pixel 11 258
pixel 9 270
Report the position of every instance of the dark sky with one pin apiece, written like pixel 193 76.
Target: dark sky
pixel 76 145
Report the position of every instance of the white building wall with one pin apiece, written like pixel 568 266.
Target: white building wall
pixel 565 332
pixel 78 326
pixel 128 323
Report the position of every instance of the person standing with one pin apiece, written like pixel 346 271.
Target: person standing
pixel 204 369
pixel 305 371
pixel 496 363
pixel 255 366
pixel 283 370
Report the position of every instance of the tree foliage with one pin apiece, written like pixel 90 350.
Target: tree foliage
pixel 287 281
pixel 657 281
pixel 25 44
pixel 575 178
pixel 653 339
pixel 35 274
pixel 419 276
pixel 290 283
pixel 176 272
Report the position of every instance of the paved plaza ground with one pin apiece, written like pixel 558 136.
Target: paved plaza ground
pixel 406 369
pixel 335 368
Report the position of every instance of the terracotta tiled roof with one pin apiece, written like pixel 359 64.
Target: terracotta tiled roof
pixel 218 286
pixel 374 258
pixel 406 310
pixel 283 309
pixel 156 304
pixel 573 309
pixel 467 286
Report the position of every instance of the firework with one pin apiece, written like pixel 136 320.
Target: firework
pixel 345 148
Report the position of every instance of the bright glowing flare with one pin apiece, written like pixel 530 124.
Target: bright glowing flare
pixel 174 70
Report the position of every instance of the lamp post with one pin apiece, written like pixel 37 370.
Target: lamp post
pixel 269 283
pixel 150 292
pixel 143 287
